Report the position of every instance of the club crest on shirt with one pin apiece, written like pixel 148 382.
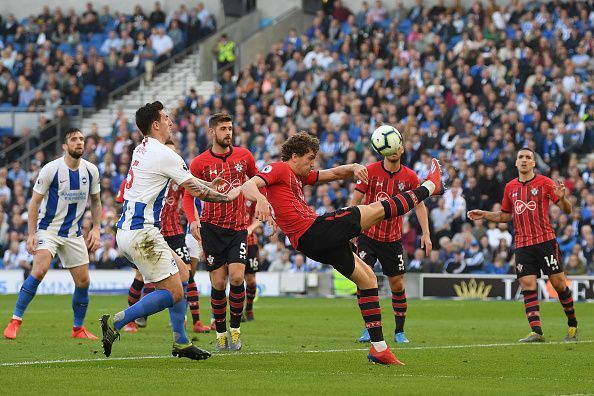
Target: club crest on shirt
pixel 534 191
pixel 362 254
pixel 238 167
pixel 84 180
pixel 401 186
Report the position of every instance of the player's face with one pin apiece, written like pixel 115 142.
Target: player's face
pixel 525 161
pixel 164 125
pixel 223 132
pixel 305 163
pixel 75 145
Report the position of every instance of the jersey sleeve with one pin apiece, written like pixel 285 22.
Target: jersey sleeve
pixel 174 167
pixel 550 190
pixel 271 173
pixel 506 204
pixel 44 180
pixel 252 170
pixel 95 182
pixel 310 179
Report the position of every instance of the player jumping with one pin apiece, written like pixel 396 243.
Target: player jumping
pixel 326 238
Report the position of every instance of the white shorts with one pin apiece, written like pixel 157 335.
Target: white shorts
pixel 146 248
pixel 194 248
pixel 72 251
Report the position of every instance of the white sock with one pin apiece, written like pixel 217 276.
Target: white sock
pixel 233 329
pixel 17 317
pixel 380 346
pixel 429 185
pixel 221 334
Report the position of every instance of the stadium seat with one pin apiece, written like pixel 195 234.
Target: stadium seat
pixel 87 97
pixel 6 131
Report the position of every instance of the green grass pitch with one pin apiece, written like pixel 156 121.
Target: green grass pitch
pixel 304 346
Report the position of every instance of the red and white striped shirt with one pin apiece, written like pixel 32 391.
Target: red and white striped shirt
pixel 234 167
pixel 384 184
pixel 170 218
pixel 529 202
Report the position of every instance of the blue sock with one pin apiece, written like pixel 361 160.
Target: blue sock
pixel 80 302
pixel 26 294
pixel 148 305
pixel 177 316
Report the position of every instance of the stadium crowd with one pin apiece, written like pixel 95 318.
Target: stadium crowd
pixel 469 86
pixel 60 58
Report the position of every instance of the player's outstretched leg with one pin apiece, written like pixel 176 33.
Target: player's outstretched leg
pixel 150 304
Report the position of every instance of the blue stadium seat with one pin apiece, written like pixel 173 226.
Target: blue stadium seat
pixel 65 48
pixel 87 97
pixel 6 131
pixel 264 22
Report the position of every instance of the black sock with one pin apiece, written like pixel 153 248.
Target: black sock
pixel 403 203
pixel 250 294
pixel 135 291
pixel 218 302
pixel 532 310
pixel 236 299
pixel 566 300
pixel 399 304
pixel 368 300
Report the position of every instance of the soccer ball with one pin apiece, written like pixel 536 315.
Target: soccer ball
pixel 386 140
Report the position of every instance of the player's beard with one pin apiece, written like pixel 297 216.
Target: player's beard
pixel 76 154
pixel 223 143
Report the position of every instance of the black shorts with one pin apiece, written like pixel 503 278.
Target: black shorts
pixel 177 243
pixel 327 240
pixel 389 254
pixel 223 246
pixel 253 259
pixel 545 257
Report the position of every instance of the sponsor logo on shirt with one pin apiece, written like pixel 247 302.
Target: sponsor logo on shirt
pixel 521 206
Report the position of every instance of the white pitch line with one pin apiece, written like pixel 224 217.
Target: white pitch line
pixel 42 362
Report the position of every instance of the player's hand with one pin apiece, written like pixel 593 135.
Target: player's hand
pixel 426 244
pixel 195 231
pixel 360 172
pixel 560 189
pixel 475 214
pixel 94 239
pixel 32 244
pixel 217 181
pixel 262 211
pixel 234 193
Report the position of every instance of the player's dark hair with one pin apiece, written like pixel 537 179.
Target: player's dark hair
pixel 148 114
pixel 218 118
pixel 299 144
pixel 169 142
pixel 528 149
pixel 69 133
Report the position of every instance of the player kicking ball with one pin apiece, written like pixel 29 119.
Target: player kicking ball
pixel 152 168
pixel 61 191
pixel 326 238
pixel 526 201
pixel 383 241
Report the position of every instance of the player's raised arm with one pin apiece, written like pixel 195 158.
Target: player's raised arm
pixel 342 172
pixel 195 188
pixel 250 190
pixel 560 191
